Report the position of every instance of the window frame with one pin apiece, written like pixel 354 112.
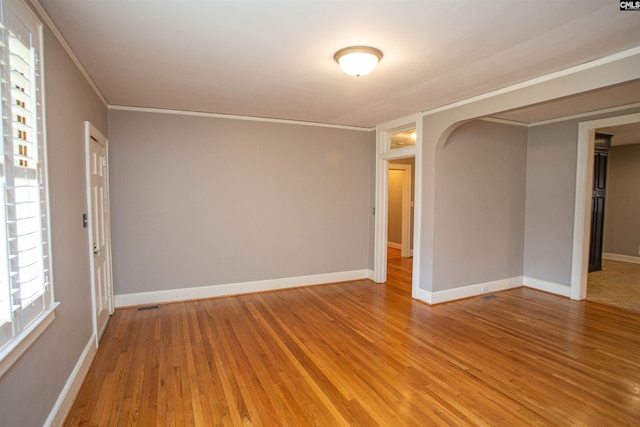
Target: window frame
pixel 18 344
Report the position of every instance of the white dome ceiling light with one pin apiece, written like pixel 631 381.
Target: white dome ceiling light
pixel 358 60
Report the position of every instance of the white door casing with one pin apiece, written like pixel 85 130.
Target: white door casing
pixel 582 208
pixel 383 155
pixel 99 227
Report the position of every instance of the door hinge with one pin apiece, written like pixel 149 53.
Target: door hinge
pixel 373 210
pixel 104 162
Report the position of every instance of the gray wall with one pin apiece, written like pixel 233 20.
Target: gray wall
pixel 30 388
pixel 200 201
pixel 480 205
pixel 551 183
pixel 622 212
pixel 394 206
pixel 551 186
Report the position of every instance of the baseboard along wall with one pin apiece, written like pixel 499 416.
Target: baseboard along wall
pixel 185 294
pixel 447 295
pixel 71 388
pixel 437 297
pixel 469 291
pixel 625 258
pixel 74 382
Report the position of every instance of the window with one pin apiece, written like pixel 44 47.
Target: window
pixel 403 139
pixel 26 289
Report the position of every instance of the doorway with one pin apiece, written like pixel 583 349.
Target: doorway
pixel 615 280
pixel 400 205
pixel 398 139
pixel 583 199
pixel 400 202
pixel 97 220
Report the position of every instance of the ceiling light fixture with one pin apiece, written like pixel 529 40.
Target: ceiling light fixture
pixel 358 60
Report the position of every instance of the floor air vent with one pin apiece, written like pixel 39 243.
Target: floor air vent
pixel 484 297
pixel 149 307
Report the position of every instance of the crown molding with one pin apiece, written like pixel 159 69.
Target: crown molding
pixel 505 121
pixel 234 117
pixel 545 78
pixel 58 35
pixel 586 114
pixel 562 118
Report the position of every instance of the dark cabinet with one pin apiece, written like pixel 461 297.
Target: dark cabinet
pixel 601 157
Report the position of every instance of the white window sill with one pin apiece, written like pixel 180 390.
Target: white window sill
pixel 17 347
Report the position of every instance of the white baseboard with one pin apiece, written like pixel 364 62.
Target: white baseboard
pixel 468 291
pixel 543 285
pixel 72 386
pixel 625 258
pixel 398 246
pixel 185 294
pixel 424 296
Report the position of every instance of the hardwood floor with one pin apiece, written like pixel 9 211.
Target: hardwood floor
pixel 617 284
pixel 365 354
pixel 399 270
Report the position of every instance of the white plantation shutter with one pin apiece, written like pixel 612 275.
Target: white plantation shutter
pixel 26 292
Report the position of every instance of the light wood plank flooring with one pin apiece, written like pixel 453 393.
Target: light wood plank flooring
pixel 365 354
pixel 617 284
pixel 399 270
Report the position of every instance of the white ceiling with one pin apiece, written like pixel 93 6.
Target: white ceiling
pixel 623 134
pixel 269 58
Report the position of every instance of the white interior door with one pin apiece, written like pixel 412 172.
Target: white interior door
pixel 99 228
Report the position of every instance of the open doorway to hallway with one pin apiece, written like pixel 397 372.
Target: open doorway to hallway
pixel 617 284
pixel 400 219
pixel 398 139
pixel 615 279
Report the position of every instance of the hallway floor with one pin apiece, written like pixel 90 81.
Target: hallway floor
pixel 617 284
pixel 399 270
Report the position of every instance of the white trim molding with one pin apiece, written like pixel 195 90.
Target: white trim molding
pixel 563 118
pixel 202 292
pixel 546 286
pixel 92 133
pixel 58 35
pixel 582 205
pixel 504 121
pixel 586 114
pixel 447 295
pixel 235 117
pixel 545 78
pixel 71 388
pixel 394 245
pixel 477 289
pixel 624 258
pixel 383 156
pixel 28 336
